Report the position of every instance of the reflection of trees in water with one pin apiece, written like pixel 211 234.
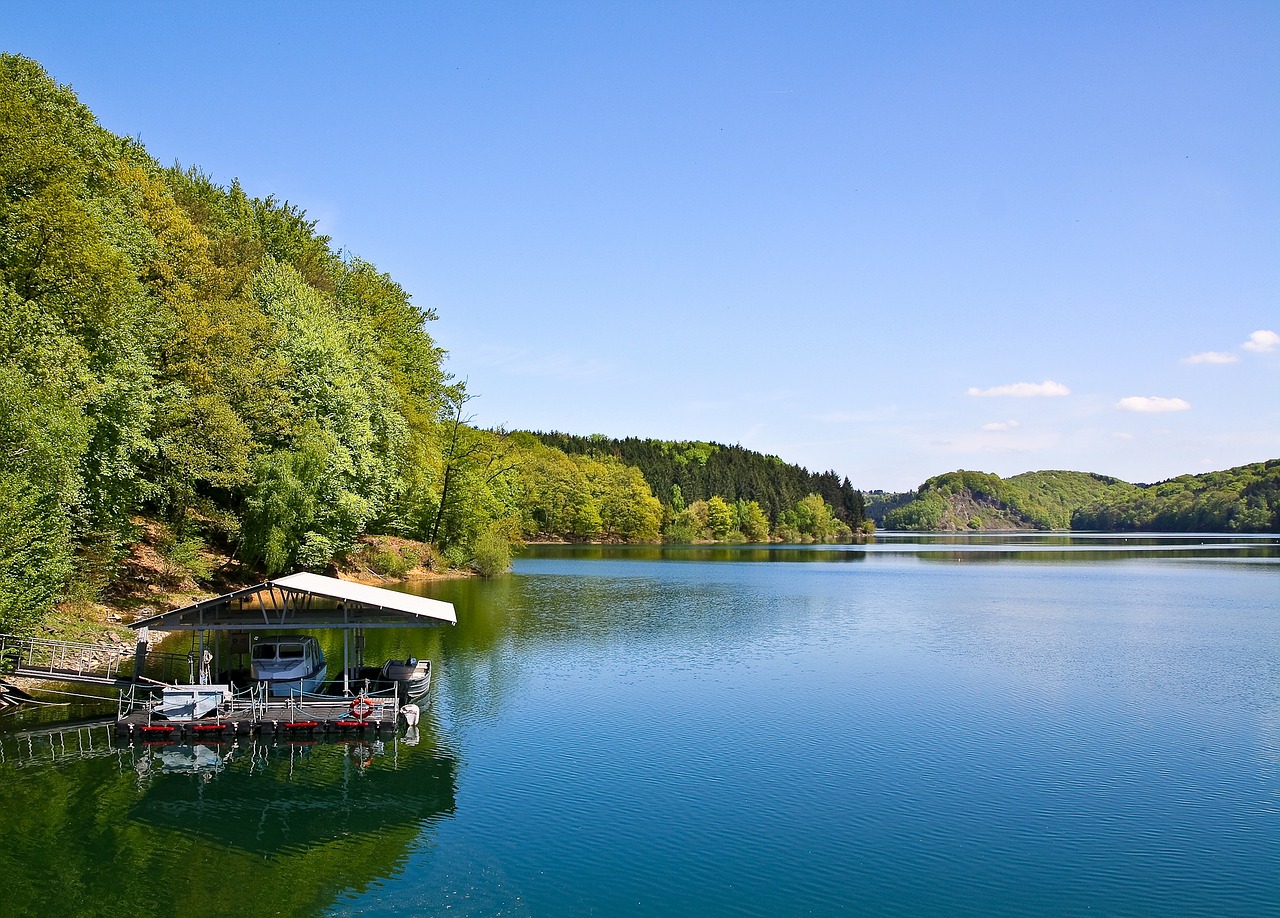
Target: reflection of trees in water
pixel 719 553
pixel 622 598
pixel 480 665
pixel 272 827
pixel 637 610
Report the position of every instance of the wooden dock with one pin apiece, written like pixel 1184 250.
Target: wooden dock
pixel 249 712
pixel 166 697
pixel 139 726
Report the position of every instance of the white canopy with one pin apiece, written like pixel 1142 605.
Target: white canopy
pixel 369 596
pixel 304 600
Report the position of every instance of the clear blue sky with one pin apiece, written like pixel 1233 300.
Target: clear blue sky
pixel 887 238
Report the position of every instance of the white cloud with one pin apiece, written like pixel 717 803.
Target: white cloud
pixel 1121 435
pixel 1262 341
pixel 1000 425
pixel 1211 357
pixel 1046 389
pixel 1151 404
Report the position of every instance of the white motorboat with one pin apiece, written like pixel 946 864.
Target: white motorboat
pixel 411 677
pixel 288 665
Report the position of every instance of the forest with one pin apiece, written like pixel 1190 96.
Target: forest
pixel 181 358
pixel 693 471
pixel 1241 499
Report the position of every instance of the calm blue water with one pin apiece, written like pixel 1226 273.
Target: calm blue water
pixel 983 726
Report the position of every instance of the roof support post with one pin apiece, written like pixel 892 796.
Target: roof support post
pixel 140 654
pixel 346 652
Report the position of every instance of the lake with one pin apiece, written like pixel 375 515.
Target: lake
pixel 951 725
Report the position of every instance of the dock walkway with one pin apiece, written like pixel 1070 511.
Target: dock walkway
pixel 254 712
pixel 105 665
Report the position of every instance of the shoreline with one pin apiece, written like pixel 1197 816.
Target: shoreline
pixel 106 636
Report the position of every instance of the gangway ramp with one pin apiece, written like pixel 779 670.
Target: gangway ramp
pixel 65 661
pixel 79 662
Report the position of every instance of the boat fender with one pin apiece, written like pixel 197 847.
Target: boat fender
pixel 361 708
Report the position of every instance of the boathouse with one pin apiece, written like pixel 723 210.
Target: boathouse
pixel 222 627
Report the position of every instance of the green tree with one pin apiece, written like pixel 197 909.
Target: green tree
pixel 628 509
pixel 299 511
pixel 69 244
pixel 752 521
pixel 815 519
pixel 720 518
pixel 43 436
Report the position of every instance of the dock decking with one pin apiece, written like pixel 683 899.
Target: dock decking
pixel 254 712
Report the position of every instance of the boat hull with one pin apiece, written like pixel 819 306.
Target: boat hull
pixel 410 678
pixel 307 685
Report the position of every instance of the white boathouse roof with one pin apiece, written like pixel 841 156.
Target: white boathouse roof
pixel 304 600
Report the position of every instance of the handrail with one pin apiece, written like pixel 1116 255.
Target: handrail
pixel 256 701
pixel 36 655
pixel 47 655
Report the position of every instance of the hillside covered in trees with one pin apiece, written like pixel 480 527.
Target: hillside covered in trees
pixel 1242 499
pixel 683 472
pixel 182 360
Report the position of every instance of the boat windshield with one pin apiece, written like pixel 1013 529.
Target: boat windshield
pixel 290 651
pixel 264 652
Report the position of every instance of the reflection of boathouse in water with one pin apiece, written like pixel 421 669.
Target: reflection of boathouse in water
pixel 273 823
pixel 268 796
pixel 253 672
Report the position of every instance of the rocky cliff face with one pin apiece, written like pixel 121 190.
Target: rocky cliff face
pixel 967 512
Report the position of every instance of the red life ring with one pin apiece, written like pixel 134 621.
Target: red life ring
pixel 361 708
pixel 362 754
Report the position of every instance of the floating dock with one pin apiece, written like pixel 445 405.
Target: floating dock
pixel 147 706
pixel 255 711
pixel 324 716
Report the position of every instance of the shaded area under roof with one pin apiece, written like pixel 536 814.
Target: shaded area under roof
pixel 304 601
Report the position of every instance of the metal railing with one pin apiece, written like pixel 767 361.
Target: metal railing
pixel 139 697
pixel 258 704
pixel 60 743
pixel 385 703
pixel 60 658
pixel 82 661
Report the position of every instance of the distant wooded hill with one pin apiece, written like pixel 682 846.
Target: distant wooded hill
pixel 1241 499
pixel 688 471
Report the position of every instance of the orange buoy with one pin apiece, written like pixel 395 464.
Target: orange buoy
pixel 361 708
